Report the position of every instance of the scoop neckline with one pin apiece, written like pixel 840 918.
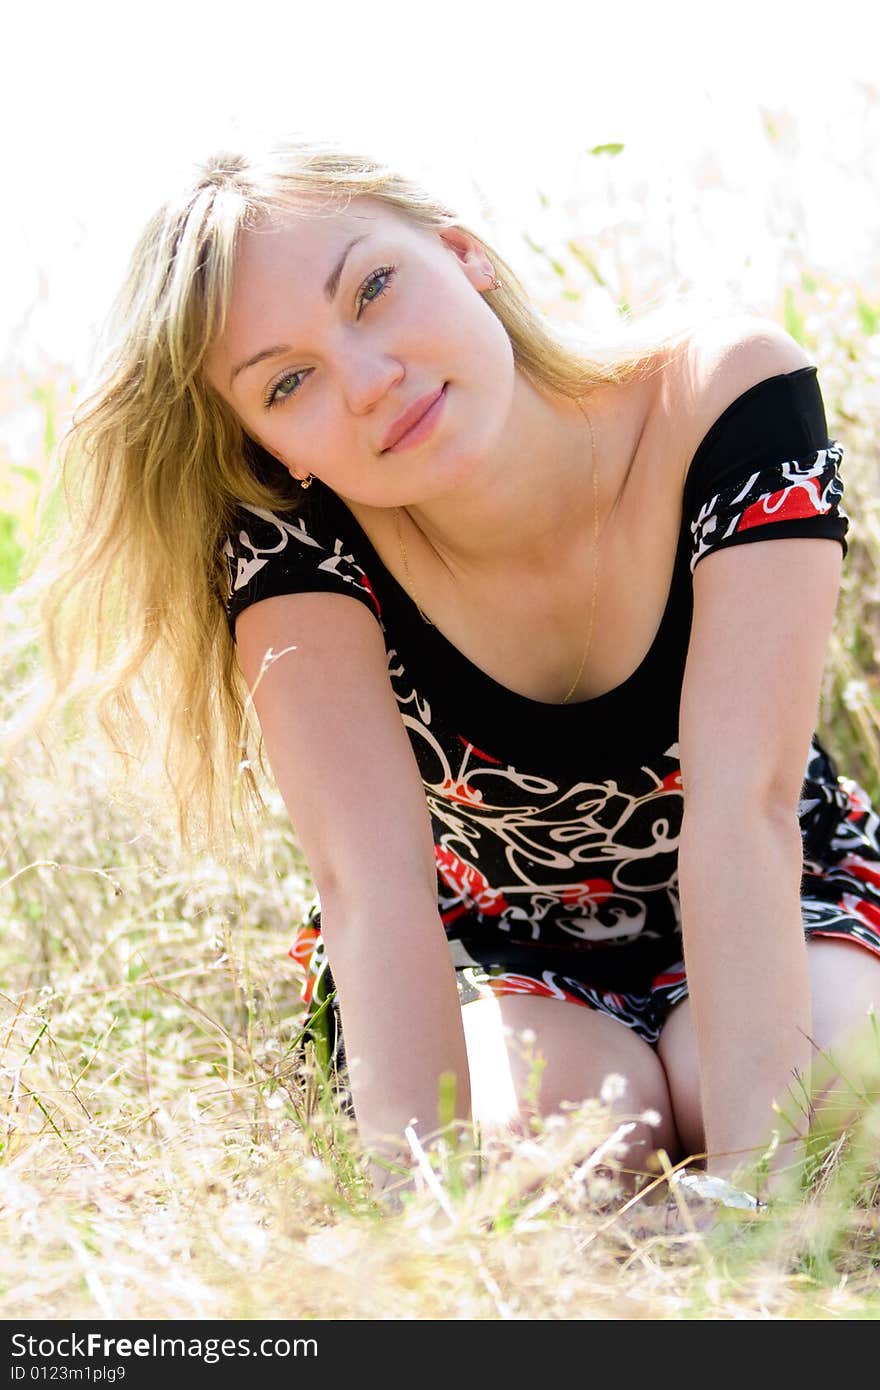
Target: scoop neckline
pixel 430 636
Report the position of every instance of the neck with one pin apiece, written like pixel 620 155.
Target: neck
pixel 527 500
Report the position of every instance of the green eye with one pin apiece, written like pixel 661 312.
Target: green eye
pixel 276 393
pixel 387 272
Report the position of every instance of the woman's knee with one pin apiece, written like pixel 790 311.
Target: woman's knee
pixel 845 981
pixel 529 1055
pixel 845 984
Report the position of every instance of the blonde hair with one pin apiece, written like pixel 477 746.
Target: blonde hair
pixel 155 465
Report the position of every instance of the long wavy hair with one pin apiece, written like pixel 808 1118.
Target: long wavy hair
pixel 155 464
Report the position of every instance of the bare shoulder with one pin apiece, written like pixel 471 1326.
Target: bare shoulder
pixel 724 358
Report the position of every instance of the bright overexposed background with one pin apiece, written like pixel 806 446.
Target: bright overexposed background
pixel 747 131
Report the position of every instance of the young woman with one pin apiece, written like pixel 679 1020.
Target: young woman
pixel 535 635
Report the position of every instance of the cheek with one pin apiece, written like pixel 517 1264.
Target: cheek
pixel 478 334
pixel 272 440
pixel 311 447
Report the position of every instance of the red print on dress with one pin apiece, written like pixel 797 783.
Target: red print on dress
pixel 860 868
pixel 469 882
pixel 857 803
pixel 786 505
pixel 487 758
pixel 461 792
pixel 365 584
pixel 589 892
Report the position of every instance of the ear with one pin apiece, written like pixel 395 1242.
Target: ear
pixel 470 253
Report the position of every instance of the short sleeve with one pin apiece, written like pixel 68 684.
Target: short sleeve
pixel 270 553
pixel 766 470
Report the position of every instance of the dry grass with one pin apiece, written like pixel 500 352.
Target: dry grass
pixel 168 1151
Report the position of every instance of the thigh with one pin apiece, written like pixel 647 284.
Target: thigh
pixel 677 1051
pixel 575 1049
pixel 844 982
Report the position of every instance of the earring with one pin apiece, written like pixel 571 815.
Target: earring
pixel 495 285
pixel 305 482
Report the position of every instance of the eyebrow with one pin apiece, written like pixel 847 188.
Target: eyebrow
pixel 330 288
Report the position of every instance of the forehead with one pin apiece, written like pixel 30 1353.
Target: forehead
pixel 312 239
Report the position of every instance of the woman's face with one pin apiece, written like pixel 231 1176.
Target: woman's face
pixel 318 364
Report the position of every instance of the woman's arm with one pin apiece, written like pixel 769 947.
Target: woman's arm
pixel 739 883
pixel 343 763
pixel 762 614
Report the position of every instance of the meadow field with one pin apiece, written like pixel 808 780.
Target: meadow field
pixel 170 1149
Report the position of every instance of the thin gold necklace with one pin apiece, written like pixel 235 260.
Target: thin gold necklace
pixel 412 588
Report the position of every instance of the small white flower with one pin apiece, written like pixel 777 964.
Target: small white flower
pixel 856 695
pixel 613 1087
pixel 331 1247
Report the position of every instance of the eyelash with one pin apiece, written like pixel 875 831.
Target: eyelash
pixel 272 398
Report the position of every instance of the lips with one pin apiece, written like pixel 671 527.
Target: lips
pixel 410 417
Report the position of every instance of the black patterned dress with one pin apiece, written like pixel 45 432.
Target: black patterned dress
pixel 556 827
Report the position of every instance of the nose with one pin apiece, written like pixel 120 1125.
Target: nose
pixel 367 378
